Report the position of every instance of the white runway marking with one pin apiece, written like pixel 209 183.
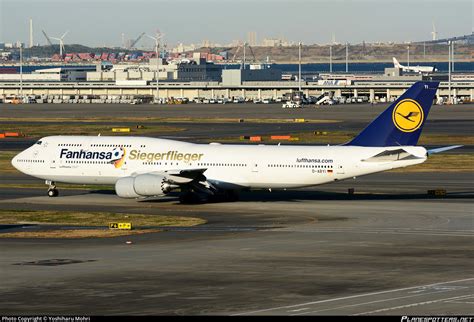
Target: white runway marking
pixel 414 304
pixel 295 306
pixel 463 302
pixel 395 231
pixel 371 302
pixel 298 310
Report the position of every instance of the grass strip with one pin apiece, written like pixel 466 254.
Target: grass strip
pixel 98 219
pixel 46 129
pixel 77 233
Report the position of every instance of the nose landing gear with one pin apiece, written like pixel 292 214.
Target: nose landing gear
pixel 52 191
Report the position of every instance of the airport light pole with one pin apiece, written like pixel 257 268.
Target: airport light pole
pixel 408 55
pixel 347 57
pixel 449 72
pixel 157 46
pixel 21 73
pixel 299 66
pixel 243 60
pixel 330 58
pixel 452 56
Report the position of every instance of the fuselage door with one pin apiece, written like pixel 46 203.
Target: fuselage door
pixel 45 153
pixel 254 167
pixel 339 169
pixel 52 163
pixel 124 166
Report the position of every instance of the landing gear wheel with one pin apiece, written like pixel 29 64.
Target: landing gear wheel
pixel 53 192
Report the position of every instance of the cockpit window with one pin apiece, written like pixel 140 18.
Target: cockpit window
pixel 39 142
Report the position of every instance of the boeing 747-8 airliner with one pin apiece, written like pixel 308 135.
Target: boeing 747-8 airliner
pixel 142 167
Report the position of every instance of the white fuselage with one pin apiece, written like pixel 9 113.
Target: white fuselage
pixel 418 69
pixel 93 160
pixel 415 69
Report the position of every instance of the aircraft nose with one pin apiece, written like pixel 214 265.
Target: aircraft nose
pixel 15 162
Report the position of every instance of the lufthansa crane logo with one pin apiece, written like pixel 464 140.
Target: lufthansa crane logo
pixel 408 115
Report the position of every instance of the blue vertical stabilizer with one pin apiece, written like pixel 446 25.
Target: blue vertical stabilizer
pixel 402 122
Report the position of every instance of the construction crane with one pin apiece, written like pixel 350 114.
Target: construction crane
pixel 47 38
pixel 253 55
pixel 136 40
pixel 243 46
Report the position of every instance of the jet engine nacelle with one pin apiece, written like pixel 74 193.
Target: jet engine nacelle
pixel 143 185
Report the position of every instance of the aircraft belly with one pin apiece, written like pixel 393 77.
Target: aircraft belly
pixel 270 179
pixel 78 179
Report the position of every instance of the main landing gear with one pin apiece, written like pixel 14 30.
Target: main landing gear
pixel 52 191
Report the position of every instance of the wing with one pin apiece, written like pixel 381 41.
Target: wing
pixel 183 176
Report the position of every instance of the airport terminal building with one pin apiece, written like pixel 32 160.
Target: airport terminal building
pixel 197 78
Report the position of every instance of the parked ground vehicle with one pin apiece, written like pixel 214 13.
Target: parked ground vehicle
pixel 291 104
pixel 136 101
pixel 12 100
pixel 222 100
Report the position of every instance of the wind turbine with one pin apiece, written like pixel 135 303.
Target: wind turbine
pixel 157 39
pixel 61 43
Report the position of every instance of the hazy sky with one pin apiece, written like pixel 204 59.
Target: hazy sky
pixel 101 22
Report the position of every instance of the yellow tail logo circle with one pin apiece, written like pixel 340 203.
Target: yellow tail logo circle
pixel 408 115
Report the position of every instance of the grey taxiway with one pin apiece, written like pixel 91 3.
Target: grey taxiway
pixel 388 249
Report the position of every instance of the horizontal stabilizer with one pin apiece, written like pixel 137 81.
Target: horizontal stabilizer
pixel 445 148
pixel 391 155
